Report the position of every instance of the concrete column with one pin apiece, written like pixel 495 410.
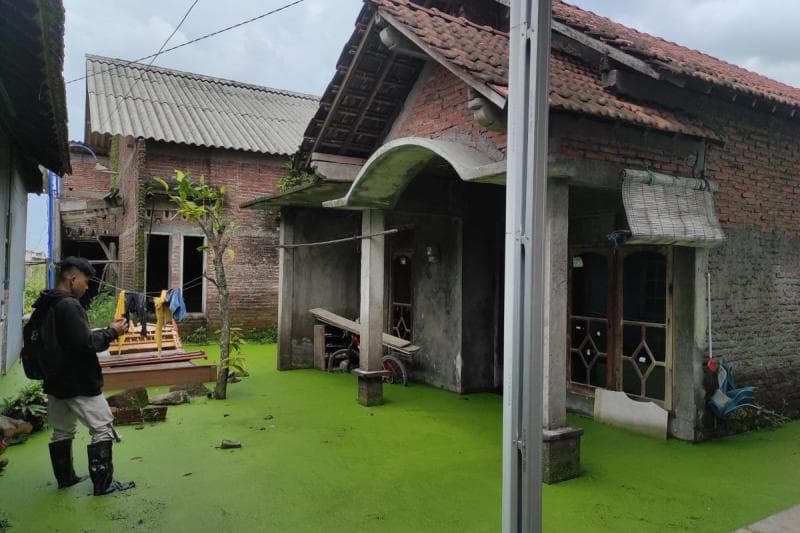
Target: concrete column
pixel 561 446
pixel 370 384
pixel 285 291
pixel 555 322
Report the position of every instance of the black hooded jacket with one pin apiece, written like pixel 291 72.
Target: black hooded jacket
pixel 79 374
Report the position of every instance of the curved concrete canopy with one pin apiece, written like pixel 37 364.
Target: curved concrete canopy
pixel 391 168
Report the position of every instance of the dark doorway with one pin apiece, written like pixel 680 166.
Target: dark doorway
pixel 193 263
pixel 157 268
pixel 401 313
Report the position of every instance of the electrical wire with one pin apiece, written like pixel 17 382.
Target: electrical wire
pixel 154 57
pixel 196 282
pixel 223 30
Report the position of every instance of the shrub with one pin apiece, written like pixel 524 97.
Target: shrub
pixel 35 282
pixel 262 336
pixel 29 405
pixel 101 310
pixel 198 336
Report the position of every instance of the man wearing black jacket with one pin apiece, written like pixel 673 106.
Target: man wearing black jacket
pixel 74 390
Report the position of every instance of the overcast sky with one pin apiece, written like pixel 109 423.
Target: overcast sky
pixel 297 49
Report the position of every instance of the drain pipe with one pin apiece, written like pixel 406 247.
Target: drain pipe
pixel 52 194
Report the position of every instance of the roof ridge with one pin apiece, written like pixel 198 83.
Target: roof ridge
pixel 672 43
pixel 197 76
pixel 437 13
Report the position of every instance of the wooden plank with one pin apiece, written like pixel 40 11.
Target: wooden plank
pixel 142 348
pixel 155 375
pixel 604 49
pixel 319 346
pixel 354 327
pixel 133 361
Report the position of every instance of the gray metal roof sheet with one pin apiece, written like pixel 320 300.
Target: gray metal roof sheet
pixel 170 105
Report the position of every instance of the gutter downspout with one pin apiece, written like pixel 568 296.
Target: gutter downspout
pixel 52 195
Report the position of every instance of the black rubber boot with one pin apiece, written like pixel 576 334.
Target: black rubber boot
pixel 61 458
pixel 101 469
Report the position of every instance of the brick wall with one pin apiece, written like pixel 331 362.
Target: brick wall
pixel 85 181
pixel 437 108
pixel 88 184
pixel 131 157
pixel 252 270
pixel 756 272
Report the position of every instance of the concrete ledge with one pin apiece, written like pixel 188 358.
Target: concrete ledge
pixel 617 409
pixel 783 522
pixel 565 433
pixel 371 374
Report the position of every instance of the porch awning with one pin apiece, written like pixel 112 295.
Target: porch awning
pixel 308 195
pixel 664 209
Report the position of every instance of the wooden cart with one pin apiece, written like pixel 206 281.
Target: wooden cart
pixel 394 364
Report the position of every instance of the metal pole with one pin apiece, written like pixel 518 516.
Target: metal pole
pixel 52 191
pixel 529 53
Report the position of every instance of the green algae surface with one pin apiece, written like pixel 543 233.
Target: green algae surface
pixel 313 460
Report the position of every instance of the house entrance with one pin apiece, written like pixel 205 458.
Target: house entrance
pixel 192 270
pixel 619 320
pixel 157 266
pixel 401 321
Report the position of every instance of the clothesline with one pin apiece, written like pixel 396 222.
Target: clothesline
pixel 188 285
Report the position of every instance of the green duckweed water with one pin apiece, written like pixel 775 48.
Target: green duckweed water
pixel 313 460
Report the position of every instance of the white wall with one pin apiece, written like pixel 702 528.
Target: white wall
pixel 13 222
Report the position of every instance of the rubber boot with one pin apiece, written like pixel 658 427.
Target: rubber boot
pixel 61 458
pixel 101 469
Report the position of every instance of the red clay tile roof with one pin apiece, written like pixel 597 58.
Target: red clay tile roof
pixel 479 50
pixel 667 56
pixel 482 53
pixel 576 87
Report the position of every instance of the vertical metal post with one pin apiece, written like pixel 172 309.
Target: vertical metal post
pixel 529 53
pixel 52 194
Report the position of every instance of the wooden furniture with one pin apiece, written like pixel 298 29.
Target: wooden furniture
pixel 137 362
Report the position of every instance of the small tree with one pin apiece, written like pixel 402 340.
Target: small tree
pixel 203 205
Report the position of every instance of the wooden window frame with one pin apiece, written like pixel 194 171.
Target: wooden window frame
pixel 616 260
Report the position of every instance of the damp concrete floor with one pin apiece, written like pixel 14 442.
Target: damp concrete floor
pixel 428 460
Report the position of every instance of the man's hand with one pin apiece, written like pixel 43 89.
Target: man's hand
pixel 120 326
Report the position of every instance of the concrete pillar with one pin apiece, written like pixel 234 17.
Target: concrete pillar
pixel 285 291
pixel 370 383
pixel 561 450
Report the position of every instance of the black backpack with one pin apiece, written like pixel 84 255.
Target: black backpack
pixel 41 354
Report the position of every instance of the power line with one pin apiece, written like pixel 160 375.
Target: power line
pixel 154 57
pixel 223 30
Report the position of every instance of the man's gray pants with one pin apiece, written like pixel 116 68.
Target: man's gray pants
pixel 92 411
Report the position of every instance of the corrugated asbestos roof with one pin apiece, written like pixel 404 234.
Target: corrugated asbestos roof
pixel 32 96
pixel 181 107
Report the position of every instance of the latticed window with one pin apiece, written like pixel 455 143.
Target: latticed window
pixel 619 321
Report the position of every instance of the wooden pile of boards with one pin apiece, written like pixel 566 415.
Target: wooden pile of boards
pixel 136 362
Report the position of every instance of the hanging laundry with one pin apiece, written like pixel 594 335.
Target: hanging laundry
pixel 136 302
pixel 162 315
pixel 119 312
pixel 176 304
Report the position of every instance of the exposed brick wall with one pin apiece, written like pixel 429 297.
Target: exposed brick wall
pixel 252 271
pixel 438 109
pixel 756 272
pixel 86 183
pixel 131 154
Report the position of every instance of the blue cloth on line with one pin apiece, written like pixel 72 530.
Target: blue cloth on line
pixel 176 304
